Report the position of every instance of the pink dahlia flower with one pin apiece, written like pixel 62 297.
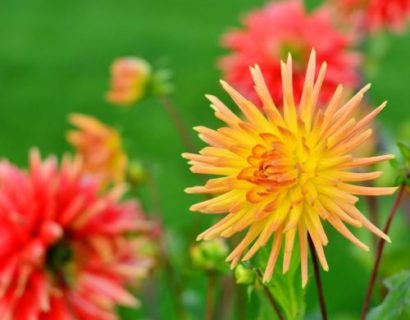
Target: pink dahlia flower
pixel 280 28
pixel 66 251
pixel 378 14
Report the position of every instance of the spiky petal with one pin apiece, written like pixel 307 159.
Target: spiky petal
pixel 66 250
pixel 283 171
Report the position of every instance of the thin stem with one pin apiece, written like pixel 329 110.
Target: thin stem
pixel 170 274
pixel 373 205
pixel 224 306
pixel 270 297
pixel 210 298
pixel 178 122
pixel 241 303
pixel 374 212
pixel 318 280
pixel 379 252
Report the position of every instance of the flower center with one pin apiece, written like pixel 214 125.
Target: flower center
pixel 59 259
pixel 280 167
pixel 298 52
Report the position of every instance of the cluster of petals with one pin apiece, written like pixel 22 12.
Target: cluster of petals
pixel 285 170
pixel 129 79
pixel 377 14
pixel 66 250
pixel 283 27
pixel 100 148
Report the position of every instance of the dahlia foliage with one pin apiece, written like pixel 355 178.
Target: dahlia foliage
pixel 285 173
pixel 270 33
pixel 67 250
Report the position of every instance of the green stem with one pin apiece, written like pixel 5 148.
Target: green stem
pixel 178 122
pixel 379 252
pixel 318 280
pixel 211 295
pixel 269 296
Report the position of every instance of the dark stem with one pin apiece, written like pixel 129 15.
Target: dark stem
pixel 241 303
pixel 211 295
pixel 373 205
pixel 374 212
pixel 179 124
pixel 225 302
pixel 318 280
pixel 379 252
pixel 269 295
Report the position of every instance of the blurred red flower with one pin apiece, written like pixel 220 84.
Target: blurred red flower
pixel 66 250
pixel 278 29
pixel 378 14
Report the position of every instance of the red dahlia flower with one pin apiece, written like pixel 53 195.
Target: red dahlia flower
pixel 378 14
pixel 280 28
pixel 66 250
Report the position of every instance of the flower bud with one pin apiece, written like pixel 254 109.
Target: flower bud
pixel 129 80
pixel 136 174
pixel 243 275
pixel 209 255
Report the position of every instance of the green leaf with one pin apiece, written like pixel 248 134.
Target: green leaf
pixel 396 305
pixel 405 150
pixel 286 288
pixel 394 163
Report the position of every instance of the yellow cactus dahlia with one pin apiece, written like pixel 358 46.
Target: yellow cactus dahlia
pixel 284 171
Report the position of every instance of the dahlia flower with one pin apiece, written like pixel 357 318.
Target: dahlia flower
pixel 100 148
pixel 285 27
pixel 377 14
pixel 285 170
pixel 129 79
pixel 66 250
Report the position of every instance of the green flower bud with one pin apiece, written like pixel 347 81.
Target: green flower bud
pixel 244 275
pixel 209 255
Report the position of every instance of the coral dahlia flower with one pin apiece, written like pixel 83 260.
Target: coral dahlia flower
pixel 377 14
pixel 285 27
pixel 286 171
pixel 100 148
pixel 129 79
pixel 66 251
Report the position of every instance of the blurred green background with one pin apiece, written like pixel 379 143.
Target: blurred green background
pixel 55 57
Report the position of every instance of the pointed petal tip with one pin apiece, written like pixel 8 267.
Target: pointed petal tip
pixel 189 190
pixel 313 52
pixel 366 87
pixel 266 278
pixel 383 104
pixel 223 83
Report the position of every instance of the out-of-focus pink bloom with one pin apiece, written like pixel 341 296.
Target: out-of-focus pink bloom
pixel 65 249
pixel 280 28
pixel 100 148
pixel 377 14
pixel 129 78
